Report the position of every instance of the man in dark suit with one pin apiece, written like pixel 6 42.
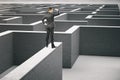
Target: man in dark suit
pixel 48 22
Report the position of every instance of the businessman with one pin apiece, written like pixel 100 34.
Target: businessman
pixel 48 22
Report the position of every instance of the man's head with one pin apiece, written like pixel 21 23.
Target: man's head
pixel 50 9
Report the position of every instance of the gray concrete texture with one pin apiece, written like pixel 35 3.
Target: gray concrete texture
pixel 106 16
pixel 77 16
pixel 61 25
pixel 70 44
pixel 27 18
pixel 89 8
pixel 73 16
pixel 62 17
pixel 110 6
pixel 24 24
pixel 16 49
pixel 6 52
pixel 70 47
pixel 14 52
pixel 27 10
pixel 69 56
pixel 5 27
pixel 11 19
pixel 104 20
pixel 6 12
pixel 110 9
pixel 14 20
pixel 99 40
pixel 58 37
pixel 49 68
pixel 86 12
pixel 26 44
pixel 88 67
pixel 108 12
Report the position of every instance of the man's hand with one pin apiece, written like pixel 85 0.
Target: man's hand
pixel 45 21
pixel 56 9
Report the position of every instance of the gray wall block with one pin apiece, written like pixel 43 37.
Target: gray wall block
pixel 106 16
pixel 66 40
pixel 100 41
pixel 111 6
pixel 70 47
pixel 115 8
pixel 65 25
pixel 104 21
pixel 22 46
pixel 49 69
pixel 15 21
pixel 68 10
pixel 24 40
pixel 28 18
pixel 6 52
pixel 75 46
pixel 60 25
pixel 63 17
pixel 79 11
pixel 78 16
pixel 27 44
pixel 27 10
pixel 108 12
pixel 5 27
pixel 4 17
pixel 39 27
pixel 90 8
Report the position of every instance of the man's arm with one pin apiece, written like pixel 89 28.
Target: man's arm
pixel 56 12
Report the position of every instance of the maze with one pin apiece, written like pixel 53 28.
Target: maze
pixel 80 29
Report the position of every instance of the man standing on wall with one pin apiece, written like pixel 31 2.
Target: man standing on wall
pixel 48 22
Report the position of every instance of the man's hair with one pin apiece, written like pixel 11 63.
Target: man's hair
pixel 50 8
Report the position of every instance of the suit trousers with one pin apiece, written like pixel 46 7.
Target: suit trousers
pixel 50 33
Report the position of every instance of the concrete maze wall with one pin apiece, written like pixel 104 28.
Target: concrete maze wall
pixel 83 29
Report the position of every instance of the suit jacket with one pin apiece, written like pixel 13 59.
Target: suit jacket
pixel 48 19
